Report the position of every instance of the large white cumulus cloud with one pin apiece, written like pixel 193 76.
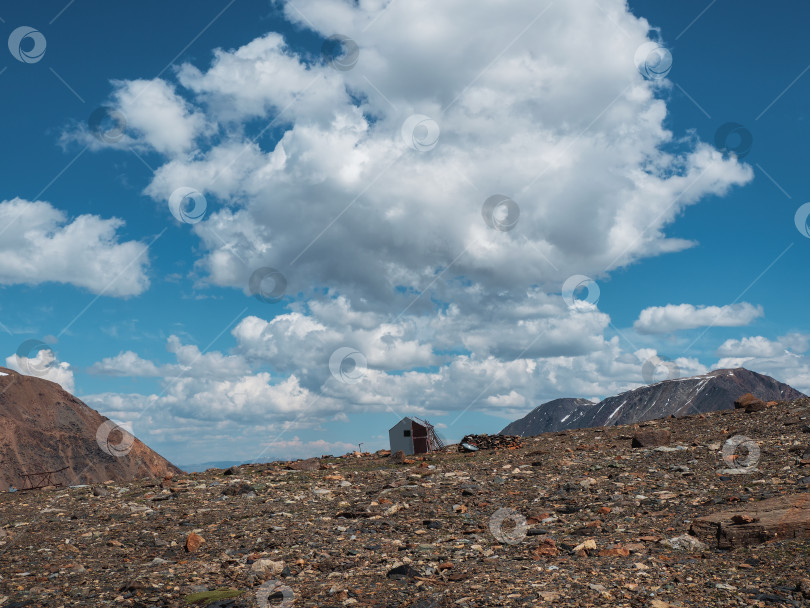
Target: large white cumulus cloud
pixel 540 103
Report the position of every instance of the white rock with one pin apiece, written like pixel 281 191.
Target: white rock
pixel 267 566
pixel 685 542
pixel 588 545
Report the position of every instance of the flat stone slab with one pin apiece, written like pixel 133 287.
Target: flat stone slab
pixel 780 518
pixel 651 438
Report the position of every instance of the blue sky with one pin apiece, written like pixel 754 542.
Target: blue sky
pixel 379 233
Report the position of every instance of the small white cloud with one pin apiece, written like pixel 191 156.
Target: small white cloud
pixel 124 364
pixel 674 317
pixel 784 358
pixel 296 448
pixel 46 366
pixel 150 115
pixel 40 245
pixel 161 118
pixel 762 347
pixel 754 346
pixel 190 363
pixel 511 399
pixel 122 406
pixel 279 80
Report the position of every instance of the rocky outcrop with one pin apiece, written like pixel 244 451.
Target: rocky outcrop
pixel 780 518
pixel 44 428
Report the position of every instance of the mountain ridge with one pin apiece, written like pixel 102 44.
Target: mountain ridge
pixel 715 390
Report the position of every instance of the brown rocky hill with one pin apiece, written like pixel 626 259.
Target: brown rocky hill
pixel 708 392
pixel 45 428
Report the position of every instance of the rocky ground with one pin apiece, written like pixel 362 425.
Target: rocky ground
pixel 579 518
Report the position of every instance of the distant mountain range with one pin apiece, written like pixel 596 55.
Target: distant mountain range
pixel 222 464
pixel 44 428
pixel 214 464
pixel 715 390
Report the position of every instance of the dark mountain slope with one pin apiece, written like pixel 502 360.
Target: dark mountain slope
pixel 715 390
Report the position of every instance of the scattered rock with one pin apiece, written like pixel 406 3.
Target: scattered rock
pixel 803 586
pixel 740 471
pixel 402 572
pixel 206 598
pixel 750 403
pixel 651 438
pixel 744 518
pixel 617 551
pixel 237 489
pixel 685 542
pixel 310 464
pixel 400 458
pixel 267 566
pixel 746 400
pixel 545 548
pixel 193 542
pixel 583 548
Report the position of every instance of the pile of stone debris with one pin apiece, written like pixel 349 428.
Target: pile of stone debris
pixel 489 442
